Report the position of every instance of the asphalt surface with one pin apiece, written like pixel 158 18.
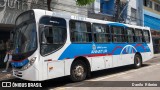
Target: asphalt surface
pixel 121 78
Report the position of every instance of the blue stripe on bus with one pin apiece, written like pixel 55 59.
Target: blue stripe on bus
pixel 19 63
pixel 117 24
pixel 75 50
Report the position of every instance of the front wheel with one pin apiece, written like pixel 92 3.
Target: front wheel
pixel 78 71
pixel 137 61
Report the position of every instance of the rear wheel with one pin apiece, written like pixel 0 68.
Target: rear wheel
pixel 78 71
pixel 137 61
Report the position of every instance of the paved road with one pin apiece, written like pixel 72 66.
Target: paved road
pixel 111 77
pixel 119 77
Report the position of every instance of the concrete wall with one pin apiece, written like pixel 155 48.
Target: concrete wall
pixel 10 9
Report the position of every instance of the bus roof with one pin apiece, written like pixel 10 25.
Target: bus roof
pixel 83 18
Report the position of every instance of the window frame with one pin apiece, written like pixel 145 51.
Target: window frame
pixel 109 34
pixel 81 32
pixel 40 32
pixel 133 30
pixel 122 34
pixel 133 14
pixel 136 29
pixel 149 36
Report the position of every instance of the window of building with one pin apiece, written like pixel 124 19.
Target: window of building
pixel 138 35
pixel 130 35
pixel 146 35
pixel 145 2
pixel 133 14
pixel 80 31
pixel 101 7
pixel 101 33
pixel 150 4
pixel 118 34
pixel 157 7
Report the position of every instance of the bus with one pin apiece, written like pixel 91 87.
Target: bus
pixel 49 45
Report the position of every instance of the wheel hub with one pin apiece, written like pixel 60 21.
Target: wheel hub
pixel 79 70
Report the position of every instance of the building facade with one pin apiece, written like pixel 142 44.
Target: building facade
pixel 151 9
pixel 125 11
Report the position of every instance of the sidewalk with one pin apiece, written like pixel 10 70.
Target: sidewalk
pixel 6 75
pixel 157 55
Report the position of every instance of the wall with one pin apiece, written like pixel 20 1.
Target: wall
pixel 129 19
pixel 10 9
pixel 151 17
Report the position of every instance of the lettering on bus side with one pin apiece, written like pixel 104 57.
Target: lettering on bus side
pixel 98 49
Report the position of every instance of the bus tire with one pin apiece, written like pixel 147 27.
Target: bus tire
pixel 137 61
pixel 78 71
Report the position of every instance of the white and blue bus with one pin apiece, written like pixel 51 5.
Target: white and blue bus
pixel 48 45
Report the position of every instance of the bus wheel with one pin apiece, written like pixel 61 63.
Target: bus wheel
pixel 78 71
pixel 137 61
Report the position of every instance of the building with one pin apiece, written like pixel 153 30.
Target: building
pixel 151 10
pixel 125 11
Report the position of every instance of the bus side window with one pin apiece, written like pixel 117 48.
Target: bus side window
pixel 138 35
pixel 101 33
pixel 118 34
pixel 53 34
pixel 80 31
pixel 146 36
pixel 130 35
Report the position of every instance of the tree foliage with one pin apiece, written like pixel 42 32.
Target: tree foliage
pixel 84 2
pixel 79 2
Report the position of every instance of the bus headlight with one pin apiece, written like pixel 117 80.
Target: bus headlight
pixel 30 63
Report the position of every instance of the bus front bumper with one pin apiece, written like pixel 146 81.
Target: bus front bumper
pixel 30 74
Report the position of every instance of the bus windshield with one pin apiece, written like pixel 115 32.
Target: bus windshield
pixel 25 38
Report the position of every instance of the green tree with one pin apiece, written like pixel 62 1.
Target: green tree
pixel 79 2
pixel 84 2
